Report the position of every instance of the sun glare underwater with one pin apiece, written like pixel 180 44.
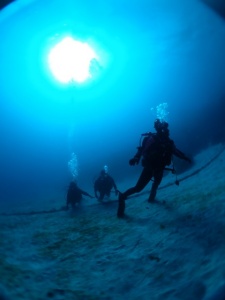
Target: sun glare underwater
pixel 70 60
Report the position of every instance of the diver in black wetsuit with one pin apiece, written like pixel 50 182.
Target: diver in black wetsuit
pixel 74 195
pixel 103 186
pixel 156 152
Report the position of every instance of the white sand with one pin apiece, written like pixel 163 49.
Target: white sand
pixel 169 251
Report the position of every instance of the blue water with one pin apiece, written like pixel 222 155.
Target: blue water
pixel 156 52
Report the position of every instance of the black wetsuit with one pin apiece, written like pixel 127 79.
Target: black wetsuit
pixel 103 185
pixel 74 195
pixel 156 152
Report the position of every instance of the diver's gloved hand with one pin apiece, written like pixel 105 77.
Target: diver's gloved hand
pixel 133 161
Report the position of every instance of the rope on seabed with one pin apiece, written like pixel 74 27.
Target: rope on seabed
pixel 163 187
pixel 196 171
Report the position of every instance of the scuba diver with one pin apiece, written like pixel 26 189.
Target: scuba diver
pixel 156 151
pixel 74 195
pixel 103 185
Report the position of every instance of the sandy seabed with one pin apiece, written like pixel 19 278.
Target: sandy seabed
pixel 173 249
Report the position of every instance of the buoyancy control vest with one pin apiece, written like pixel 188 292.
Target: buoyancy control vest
pixel 157 151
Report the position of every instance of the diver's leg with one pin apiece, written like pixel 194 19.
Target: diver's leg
pixel 158 175
pixel 108 193
pixel 101 196
pixel 143 180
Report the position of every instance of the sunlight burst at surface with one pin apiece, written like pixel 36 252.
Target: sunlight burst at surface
pixel 71 60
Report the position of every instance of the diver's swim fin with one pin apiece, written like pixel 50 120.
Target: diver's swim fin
pixel 121 206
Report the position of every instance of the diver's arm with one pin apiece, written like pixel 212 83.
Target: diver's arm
pixel 148 140
pixel 96 195
pixel 180 154
pixel 114 185
pixel 96 188
pixel 86 194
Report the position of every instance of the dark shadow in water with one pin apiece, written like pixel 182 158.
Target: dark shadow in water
pixel 217 5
